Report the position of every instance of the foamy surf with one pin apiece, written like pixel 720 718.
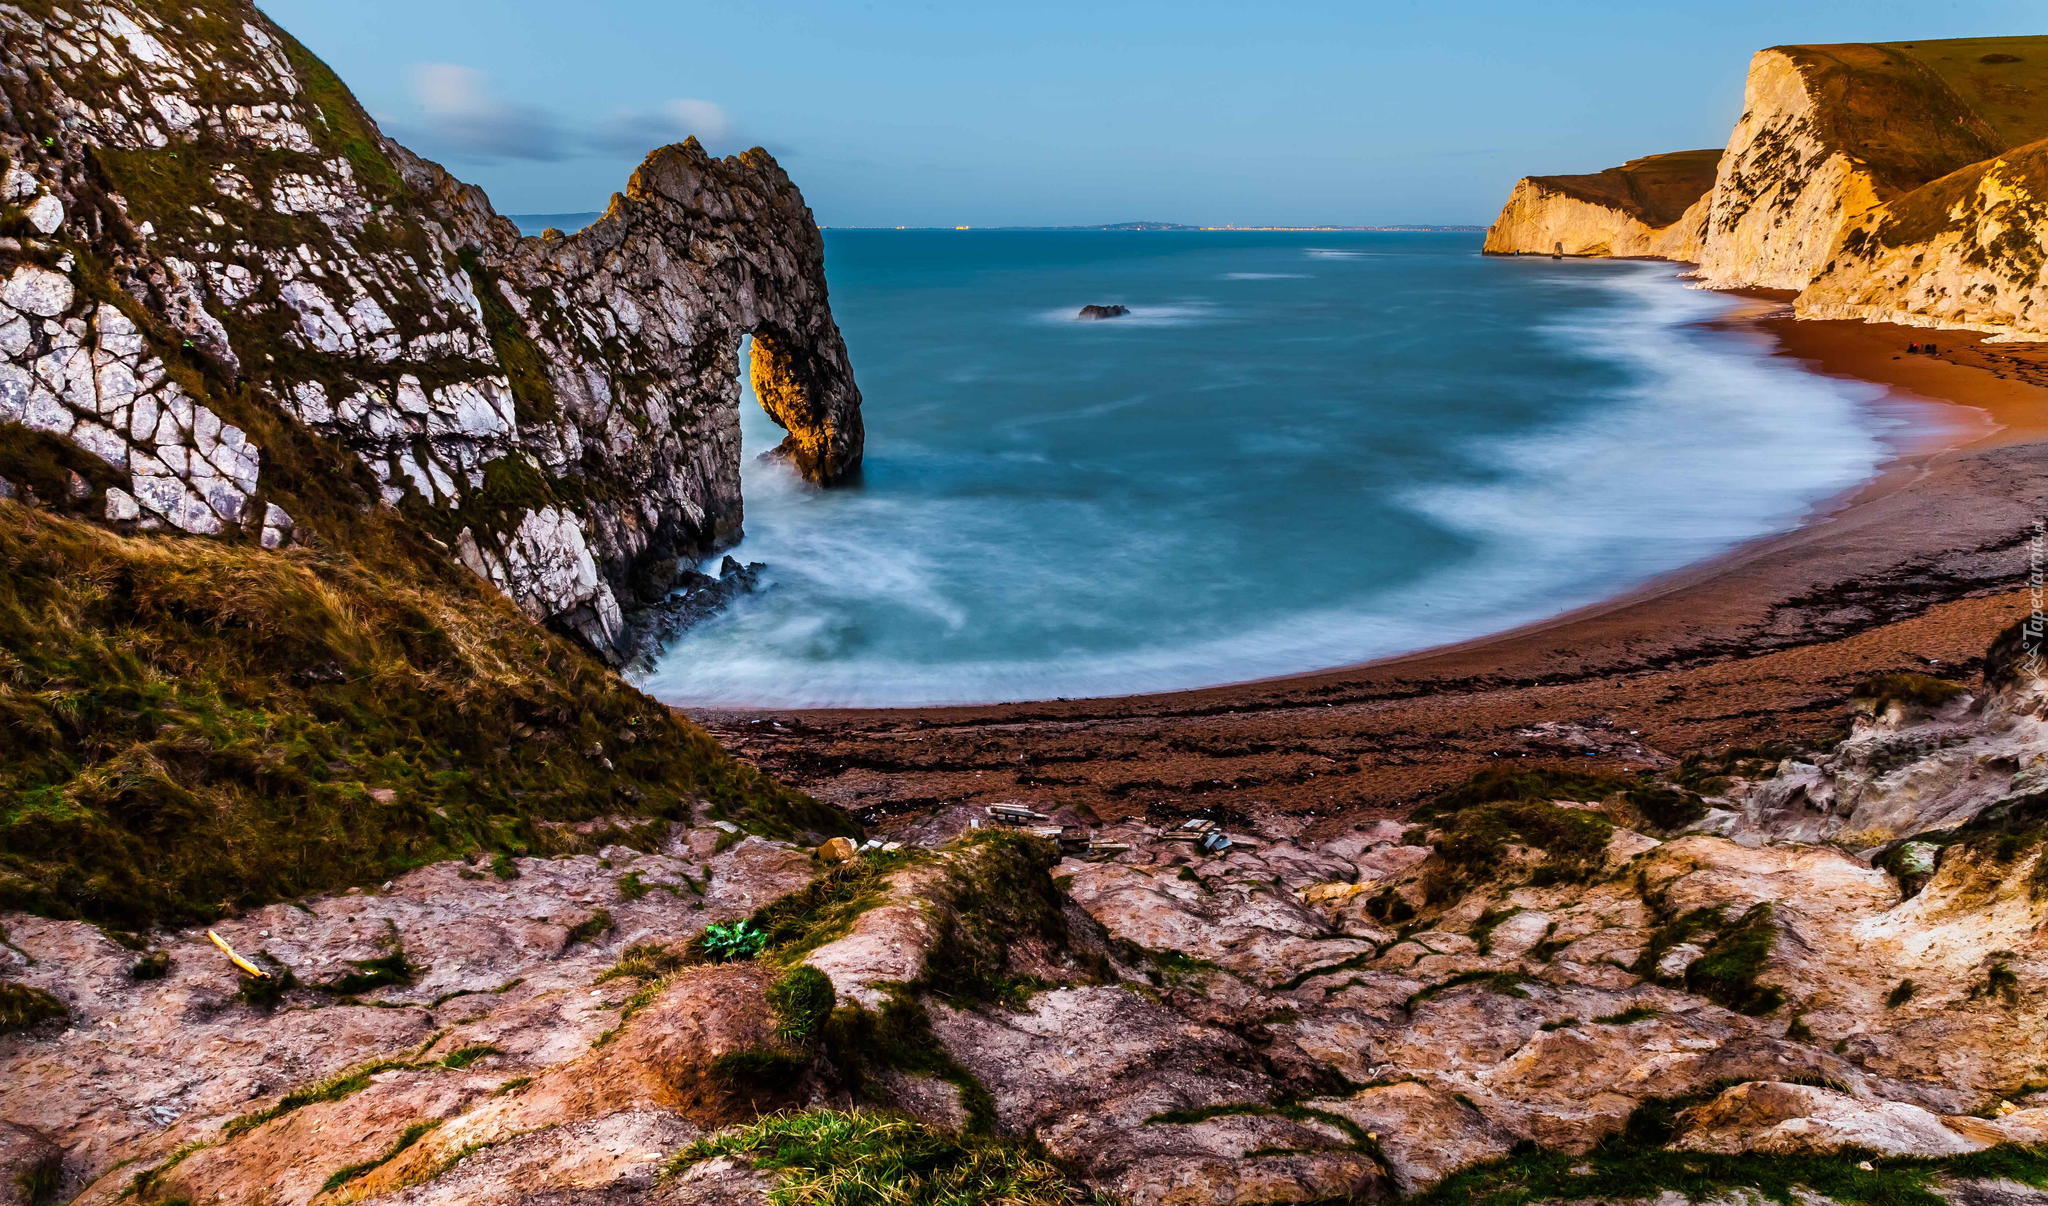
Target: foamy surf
pixel 1423 449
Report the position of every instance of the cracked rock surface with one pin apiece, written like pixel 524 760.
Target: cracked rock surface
pixel 215 272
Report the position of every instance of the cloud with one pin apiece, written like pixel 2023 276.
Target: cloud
pixel 461 118
pixel 637 131
pixel 458 117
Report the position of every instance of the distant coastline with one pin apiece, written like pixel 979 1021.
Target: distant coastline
pixel 533 224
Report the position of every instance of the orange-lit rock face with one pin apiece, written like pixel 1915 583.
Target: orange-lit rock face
pixel 814 399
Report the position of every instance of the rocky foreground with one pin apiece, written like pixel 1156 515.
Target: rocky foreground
pixel 1818 979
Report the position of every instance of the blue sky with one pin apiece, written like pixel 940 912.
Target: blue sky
pixel 891 112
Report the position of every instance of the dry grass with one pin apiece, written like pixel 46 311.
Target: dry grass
pixel 192 726
pixel 1657 189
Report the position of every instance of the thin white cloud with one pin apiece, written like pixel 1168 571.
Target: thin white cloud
pixel 636 131
pixel 460 117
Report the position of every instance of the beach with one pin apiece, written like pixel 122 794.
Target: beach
pixel 1756 649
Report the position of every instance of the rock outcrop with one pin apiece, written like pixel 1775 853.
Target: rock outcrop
pixel 1554 986
pixel 1896 182
pixel 218 278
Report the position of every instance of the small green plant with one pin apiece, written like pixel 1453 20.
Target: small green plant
pixel 463 1057
pixel 153 966
pixel 503 866
pixel 365 974
pixel 23 1006
pixel 264 992
pixel 801 998
pixel 406 1138
pixel 731 941
pixel 1629 1016
pixel 598 924
pixel 632 887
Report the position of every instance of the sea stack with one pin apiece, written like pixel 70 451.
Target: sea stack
pixel 1099 312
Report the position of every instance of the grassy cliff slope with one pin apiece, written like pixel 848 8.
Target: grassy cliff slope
pixel 1655 190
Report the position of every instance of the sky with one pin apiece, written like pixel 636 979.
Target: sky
pixel 1071 112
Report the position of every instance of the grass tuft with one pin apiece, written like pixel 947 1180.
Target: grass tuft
pixel 871 1158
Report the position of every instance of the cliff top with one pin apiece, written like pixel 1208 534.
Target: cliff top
pixel 1915 111
pixel 2005 80
pixel 1655 188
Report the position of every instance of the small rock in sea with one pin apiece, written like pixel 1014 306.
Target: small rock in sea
pixel 1103 311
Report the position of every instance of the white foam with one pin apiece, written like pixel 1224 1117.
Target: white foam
pixel 1703 442
pixel 1142 314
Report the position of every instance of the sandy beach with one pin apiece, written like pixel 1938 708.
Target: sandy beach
pixel 1916 569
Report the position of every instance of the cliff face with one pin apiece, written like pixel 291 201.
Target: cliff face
pixel 1653 206
pixel 264 318
pixel 1882 181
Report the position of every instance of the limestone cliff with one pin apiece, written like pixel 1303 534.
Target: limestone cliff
pixel 1653 206
pixel 219 279
pixel 1881 181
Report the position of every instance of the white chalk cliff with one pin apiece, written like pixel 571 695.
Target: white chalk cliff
pixel 220 280
pixel 1896 182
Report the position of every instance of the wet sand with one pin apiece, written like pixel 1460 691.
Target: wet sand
pixel 1917 569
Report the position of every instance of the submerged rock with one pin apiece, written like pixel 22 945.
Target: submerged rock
pixel 1103 312
pixel 696 598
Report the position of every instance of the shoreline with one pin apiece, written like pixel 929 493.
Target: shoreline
pixel 1917 567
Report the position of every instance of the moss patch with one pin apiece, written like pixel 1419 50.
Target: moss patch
pixel 872 1158
pixel 23 1006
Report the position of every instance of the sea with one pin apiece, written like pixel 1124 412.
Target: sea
pixel 1296 451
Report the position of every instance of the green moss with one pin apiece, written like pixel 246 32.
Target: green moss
pixel 871 1158
pixel 826 908
pixel 1627 1169
pixel 463 1057
pixel 345 1083
pixel 153 966
pixel 386 969
pixel 1726 973
pixel 406 1138
pixel 596 925
pixel 268 991
pixel 23 1006
pixel 899 1037
pixel 1497 784
pixel 1473 846
pixel 758 1069
pixel 997 895
pixel 801 1000
pixel 347 130
pixel 533 393
pixel 1506 983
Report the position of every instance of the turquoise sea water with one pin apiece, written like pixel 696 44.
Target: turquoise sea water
pixel 1298 451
